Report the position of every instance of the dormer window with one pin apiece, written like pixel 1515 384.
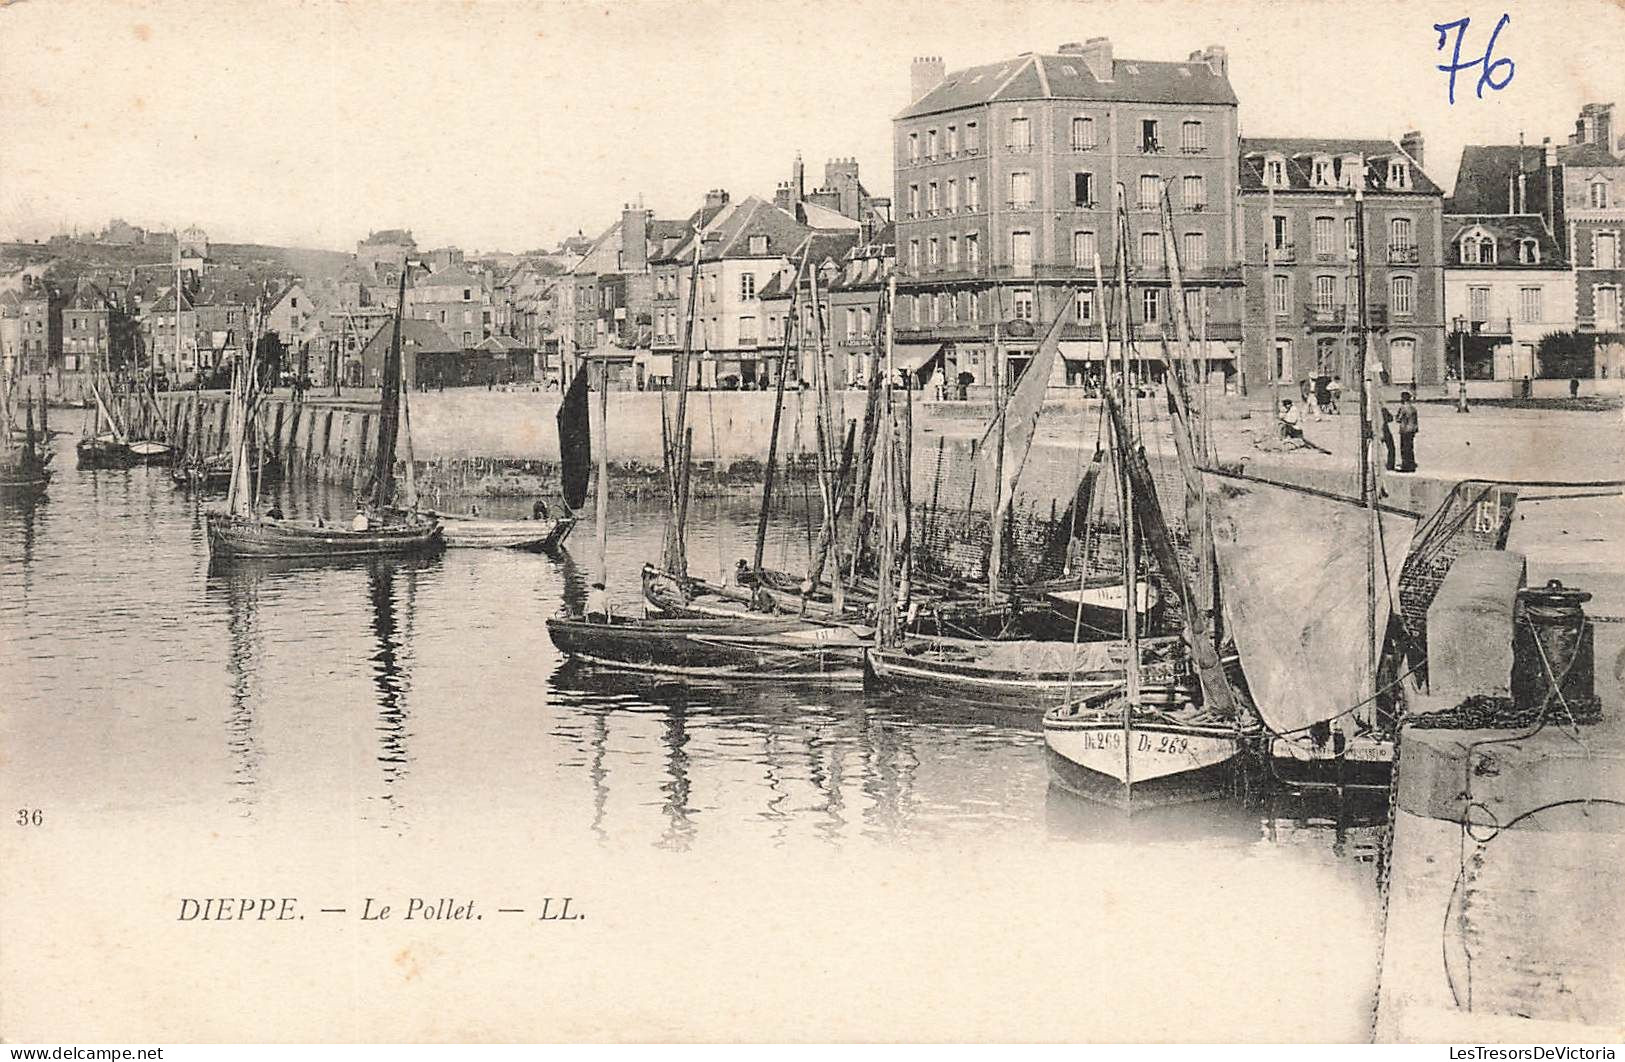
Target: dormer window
pixel 1399 174
pixel 1599 194
pixel 1477 249
pixel 1352 170
pixel 1529 251
pixel 758 245
pixel 1275 171
pixel 1320 173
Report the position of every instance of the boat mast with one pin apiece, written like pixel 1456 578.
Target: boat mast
pixel 829 486
pixel 1131 599
pixel 678 447
pixel 1368 493
pixel 778 414
pixel 389 409
pixel 995 555
pixel 601 503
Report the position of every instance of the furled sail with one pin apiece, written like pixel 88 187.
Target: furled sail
pixel 575 442
pixel 1292 576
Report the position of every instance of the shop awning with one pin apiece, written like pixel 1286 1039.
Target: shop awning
pixel 914 357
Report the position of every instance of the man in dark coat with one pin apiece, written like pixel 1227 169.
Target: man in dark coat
pixel 1406 420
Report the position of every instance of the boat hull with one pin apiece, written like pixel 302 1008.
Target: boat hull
pixel 1165 762
pixel 747 648
pixel 103 453
pixel 1024 674
pixel 1364 762
pixel 151 452
pixel 1097 612
pixel 248 536
pixel 462 532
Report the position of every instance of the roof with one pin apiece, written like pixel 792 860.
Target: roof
pixel 1067 77
pixel 9 300
pixel 87 296
pixel 1300 152
pixel 1507 230
pixel 729 233
pixel 1483 176
pixel 819 217
pixel 416 335
pixel 390 236
pixel 454 276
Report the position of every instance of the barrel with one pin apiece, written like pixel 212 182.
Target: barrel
pixel 1552 642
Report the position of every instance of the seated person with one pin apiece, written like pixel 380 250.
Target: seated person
pixel 539 510
pixel 1290 420
pixel 274 512
pixel 360 523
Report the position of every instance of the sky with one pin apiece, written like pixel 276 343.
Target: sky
pixel 502 124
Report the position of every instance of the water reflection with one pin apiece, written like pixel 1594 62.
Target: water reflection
pixel 240 589
pixel 388 676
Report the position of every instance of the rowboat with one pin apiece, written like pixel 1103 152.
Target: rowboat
pixel 1093 611
pixel 749 648
pixel 480 532
pixel 150 452
pixel 103 451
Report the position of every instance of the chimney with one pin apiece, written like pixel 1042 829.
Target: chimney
pixel 926 74
pixel 1549 165
pixel 1097 56
pixel 715 199
pixel 1216 58
pixel 634 238
pixel 781 198
pixel 798 179
pixel 1411 144
pixel 1604 125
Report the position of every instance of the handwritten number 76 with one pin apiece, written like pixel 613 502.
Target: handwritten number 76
pixel 1488 67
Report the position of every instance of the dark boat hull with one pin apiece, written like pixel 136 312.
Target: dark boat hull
pixel 747 648
pixel 18 482
pixel 215 473
pixel 239 536
pixel 103 453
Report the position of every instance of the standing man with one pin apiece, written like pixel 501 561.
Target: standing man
pixel 1405 419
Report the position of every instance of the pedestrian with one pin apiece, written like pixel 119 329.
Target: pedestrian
pixel 1405 419
pixel 1387 437
pixel 1574 388
pixel 1323 395
pixel 1306 392
pixel 1335 390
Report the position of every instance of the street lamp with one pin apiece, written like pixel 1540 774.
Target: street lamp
pixel 1461 365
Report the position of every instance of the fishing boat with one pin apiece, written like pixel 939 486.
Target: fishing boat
pixel 545 533
pixel 104 444
pixel 25 464
pixel 1119 746
pixel 382 528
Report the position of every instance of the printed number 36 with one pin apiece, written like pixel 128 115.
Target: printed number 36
pixel 30 817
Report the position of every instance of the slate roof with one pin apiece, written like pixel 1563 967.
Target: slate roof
pixel 1507 230
pixel 86 296
pixel 450 277
pixel 1299 153
pixel 1481 177
pixel 730 229
pixel 390 236
pixel 416 335
pixel 1067 77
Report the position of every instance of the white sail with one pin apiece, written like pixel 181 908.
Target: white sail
pixel 1292 574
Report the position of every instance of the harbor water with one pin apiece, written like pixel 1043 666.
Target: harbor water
pixel 391 728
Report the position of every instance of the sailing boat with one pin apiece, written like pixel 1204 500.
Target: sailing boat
pixel 109 448
pixel 24 466
pixel 746 646
pixel 381 526
pixel 154 448
pixel 1119 746
pixel 545 532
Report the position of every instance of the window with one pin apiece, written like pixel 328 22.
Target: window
pixel 866 320
pixel 1282 233
pixel 914 147
pixel 1021 189
pixel 1149 143
pixel 747 285
pixel 1083 189
pixel 1195 250
pixel 467 294
pixel 1083 134
pixel 1193 191
pixel 1399 174
pixel 1148 191
pixel 973 198
pixel 1402 296
pixel 1021 250
pixel 1150 248
pixel 468 317
pixel 1275 172
pixel 1402 360
pixel 1325 293
pixel 1606 254
pixel 1478 304
pixel 914 255
pixel 1021 305
pixel 953 140
pixel 913 200
pixel 1085 307
pixel 1399 234
pixel 1322 237
pixel 952 202
pixel 971 142
pixel 1021 135
pixel 1192 138
pixel 1348 175
pixel 1529 251
pixel 1530 309
pixel 442 316
pixel 1320 173
pixel 933 252
pixel 973 250
pixel 1599 194
pixel 1351 237
pixel 1607 302
pixel 711 288
pixel 293 303
pixel 468 338
pixel 953 250
pixel 1151 305
pixel 930 143
pixel 933 201
pixel 747 329
pixel 758 245
pixel 1083 249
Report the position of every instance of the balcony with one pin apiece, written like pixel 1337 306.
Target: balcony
pixel 1193 149
pixel 1150 147
pixel 1316 315
pixel 1283 252
pixel 1080 146
pixel 1406 255
pixel 1019 149
pixel 1021 204
pixel 1490 326
pixel 1195 208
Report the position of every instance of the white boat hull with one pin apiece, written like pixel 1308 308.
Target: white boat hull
pixel 1092 754
pixel 481 533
